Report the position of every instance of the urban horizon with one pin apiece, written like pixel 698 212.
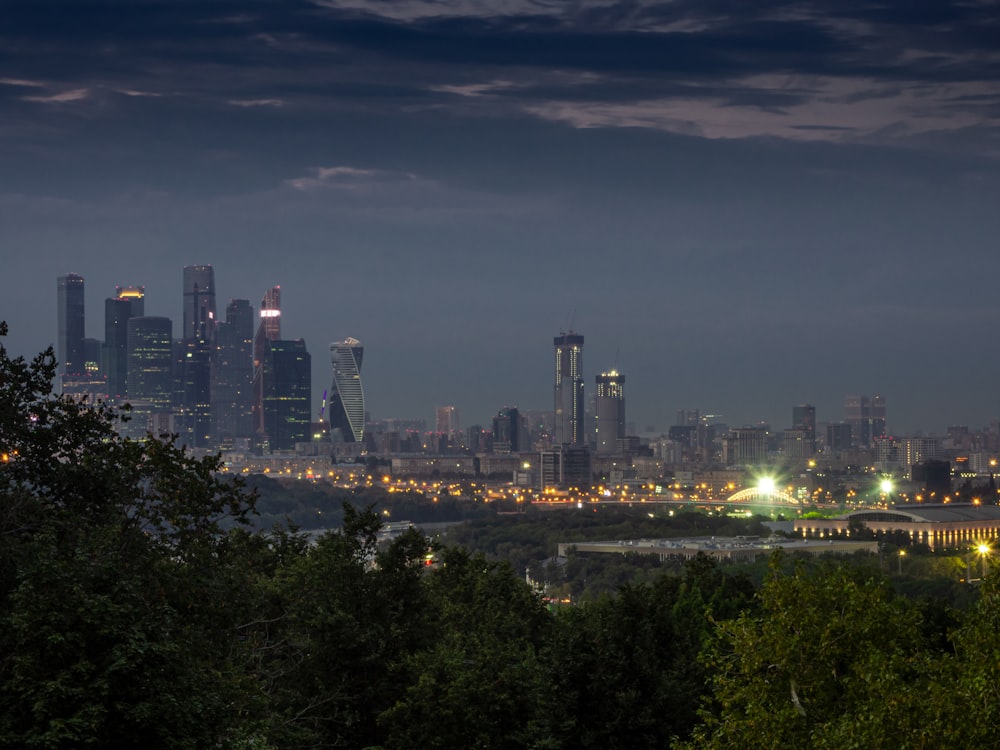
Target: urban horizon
pixel 638 425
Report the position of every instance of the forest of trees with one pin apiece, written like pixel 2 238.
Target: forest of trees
pixel 139 608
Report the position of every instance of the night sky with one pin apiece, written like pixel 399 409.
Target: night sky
pixel 741 205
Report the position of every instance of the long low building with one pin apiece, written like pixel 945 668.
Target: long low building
pixel 732 549
pixel 939 526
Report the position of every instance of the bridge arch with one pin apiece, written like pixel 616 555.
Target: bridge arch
pixel 757 495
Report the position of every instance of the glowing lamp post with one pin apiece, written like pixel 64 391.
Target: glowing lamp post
pixel 887 489
pixel 984 551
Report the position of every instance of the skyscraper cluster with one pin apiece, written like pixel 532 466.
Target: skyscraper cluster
pixel 220 385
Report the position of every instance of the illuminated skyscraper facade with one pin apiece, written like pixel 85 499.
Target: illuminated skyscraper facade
pixel 569 389
pixel 149 383
pixel 347 397
pixel 609 418
pixel 71 351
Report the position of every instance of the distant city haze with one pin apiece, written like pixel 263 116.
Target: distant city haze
pixel 742 209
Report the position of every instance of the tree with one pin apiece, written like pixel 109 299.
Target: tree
pixel 831 660
pixel 346 615
pixel 118 589
pixel 480 682
pixel 625 667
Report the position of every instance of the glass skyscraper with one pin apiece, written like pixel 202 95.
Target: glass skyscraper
pixel 347 397
pixel 287 377
pixel 609 419
pixel 569 388
pixel 149 383
pixel 199 339
pixel 268 330
pixel 71 351
pixel 232 376
pixel 128 303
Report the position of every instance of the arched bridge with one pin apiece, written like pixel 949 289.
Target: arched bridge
pixel 758 496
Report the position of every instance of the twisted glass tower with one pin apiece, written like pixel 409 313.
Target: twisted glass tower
pixel 347 398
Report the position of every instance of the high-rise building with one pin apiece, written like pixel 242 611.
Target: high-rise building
pixel 128 302
pixel 569 402
pixel 347 397
pixel 838 436
pixel 269 329
pixel 149 383
pixel 287 377
pixel 746 446
pixel 566 467
pixel 509 432
pixel 199 302
pixel 232 377
pixel 199 335
pixel 867 418
pixel 609 417
pixel 448 421
pixel 878 416
pixel 70 298
pixel 804 417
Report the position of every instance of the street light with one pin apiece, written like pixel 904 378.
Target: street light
pixel 984 551
pixel 902 554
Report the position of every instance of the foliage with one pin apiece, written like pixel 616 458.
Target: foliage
pixel 626 667
pixel 481 683
pixel 118 595
pixel 832 659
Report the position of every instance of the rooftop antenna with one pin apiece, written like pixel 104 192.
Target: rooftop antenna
pixel 572 319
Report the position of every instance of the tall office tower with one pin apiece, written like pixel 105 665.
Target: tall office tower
pixel 447 421
pixel 509 432
pixel 128 302
pixel 70 298
pixel 199 302
pixel 149 383
pixel 347 397
pixel 232 377
pixel 286 407
pixel 878 416
pixel 89 384
pixel 866 417
pixel 687 417
pixel 609 419
pixel 565 467
pixel 199 334
pixel 858 414
pixel 569 388
pixel 746 446
pixel 269 329
pixel 838 436
pixel 804 418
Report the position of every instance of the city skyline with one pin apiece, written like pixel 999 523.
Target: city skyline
pixel 742 206
pixel 343 402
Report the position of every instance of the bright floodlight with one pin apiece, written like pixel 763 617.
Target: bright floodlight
pixel 983 549
pixel 766 485
pixel 886 486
